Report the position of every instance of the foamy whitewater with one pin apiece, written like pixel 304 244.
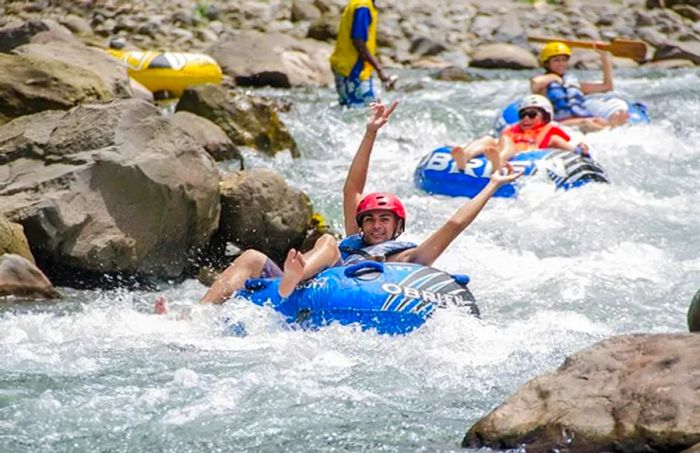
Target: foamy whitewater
pixel 553 272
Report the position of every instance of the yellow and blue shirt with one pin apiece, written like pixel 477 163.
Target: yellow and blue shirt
pixel 359 21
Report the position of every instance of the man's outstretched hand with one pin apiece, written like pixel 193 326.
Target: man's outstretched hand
pixel 380 115
pixel 505 174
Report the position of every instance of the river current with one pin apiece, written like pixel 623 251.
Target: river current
pixel 553 272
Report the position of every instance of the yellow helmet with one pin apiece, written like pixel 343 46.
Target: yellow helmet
pixel 552 49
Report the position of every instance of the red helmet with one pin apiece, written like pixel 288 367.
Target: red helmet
pixel 381 200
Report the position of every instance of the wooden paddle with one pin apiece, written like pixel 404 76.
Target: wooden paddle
pixel 627 48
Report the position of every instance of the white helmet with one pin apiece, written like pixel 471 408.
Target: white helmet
pixel 539 102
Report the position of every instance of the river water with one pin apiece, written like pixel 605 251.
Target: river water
pixel 553 272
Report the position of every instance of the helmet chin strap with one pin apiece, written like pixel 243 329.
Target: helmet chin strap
pixel 398 230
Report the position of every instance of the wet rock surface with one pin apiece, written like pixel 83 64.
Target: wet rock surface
pixel 20 277
pixel 29 85
pixel 108 188
pixel 247 120
pixel 259 210
pixel 628 394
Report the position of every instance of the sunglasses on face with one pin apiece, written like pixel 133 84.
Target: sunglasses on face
pixel 532 114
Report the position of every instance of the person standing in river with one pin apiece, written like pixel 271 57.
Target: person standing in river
pixel 354 58
pixel 373 222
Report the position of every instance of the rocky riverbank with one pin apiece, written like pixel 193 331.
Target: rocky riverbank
pixel 294 36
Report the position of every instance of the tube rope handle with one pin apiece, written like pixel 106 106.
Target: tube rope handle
pixel 353 270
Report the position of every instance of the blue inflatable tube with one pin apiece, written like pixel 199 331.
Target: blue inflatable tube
pixel 637 111
pixel 392 298
pixel 437 172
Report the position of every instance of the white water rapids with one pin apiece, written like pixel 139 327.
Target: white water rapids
pixel 553 272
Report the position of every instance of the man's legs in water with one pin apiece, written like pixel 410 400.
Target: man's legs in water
pixel 249 265
pixel 252 263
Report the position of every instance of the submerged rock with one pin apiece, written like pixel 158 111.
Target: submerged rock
pixel 108 188
pixel 455 74
pixel 247 120
pixel 625 394
pixel 20 277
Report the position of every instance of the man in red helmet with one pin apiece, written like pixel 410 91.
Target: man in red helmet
pixel 372 224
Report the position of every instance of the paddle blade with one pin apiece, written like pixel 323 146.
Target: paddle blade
pixel 636 50
pixel 626 48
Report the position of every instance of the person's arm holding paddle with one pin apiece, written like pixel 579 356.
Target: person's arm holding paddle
pixel 607 84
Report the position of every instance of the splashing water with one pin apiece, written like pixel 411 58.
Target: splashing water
pixel 553 272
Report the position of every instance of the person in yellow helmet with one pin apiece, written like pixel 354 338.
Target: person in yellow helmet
pixel 354 58
pixel 568 95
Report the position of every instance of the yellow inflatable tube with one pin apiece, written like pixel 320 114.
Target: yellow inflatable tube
pixel 170 72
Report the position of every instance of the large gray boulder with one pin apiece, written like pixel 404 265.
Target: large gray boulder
pixel 625 394
pixel 247 120
pixel 20 277
pixel 259 210
pixel 108 188
pixel 29 85
pixel 261 59
pixel 212 137
pixel 87 59
pixel 503 56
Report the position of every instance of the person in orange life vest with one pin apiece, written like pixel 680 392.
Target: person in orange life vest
pixel 568 95
pixel 354 57
pixel 533 131
pixel 372 224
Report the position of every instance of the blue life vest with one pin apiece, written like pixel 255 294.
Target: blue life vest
pixel 567 99
pixel 353 249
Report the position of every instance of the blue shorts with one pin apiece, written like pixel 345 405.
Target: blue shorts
pixel 353 92
pixel 270 270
